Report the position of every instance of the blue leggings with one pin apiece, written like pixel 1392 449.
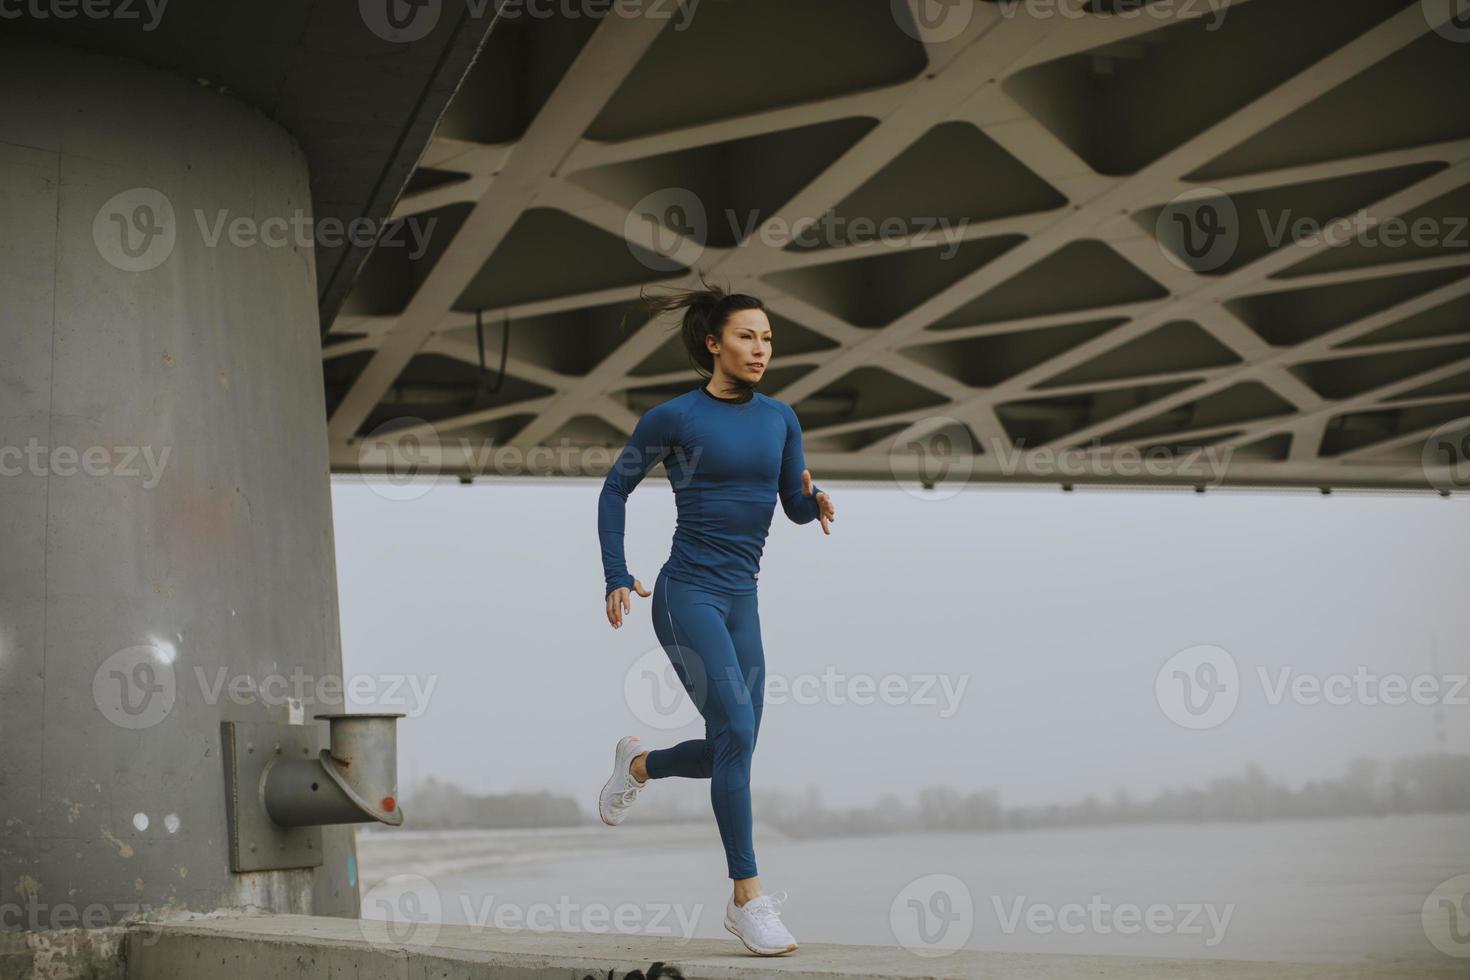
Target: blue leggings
pixel 713 640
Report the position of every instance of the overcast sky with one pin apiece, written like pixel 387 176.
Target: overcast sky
pixel 1055 611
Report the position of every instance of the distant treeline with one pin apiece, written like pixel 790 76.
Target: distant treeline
pixel 1419 784
pixel 1369 787
pixel 442 806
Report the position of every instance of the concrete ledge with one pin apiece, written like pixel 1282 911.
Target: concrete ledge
pixel 245 947
pixel 58 954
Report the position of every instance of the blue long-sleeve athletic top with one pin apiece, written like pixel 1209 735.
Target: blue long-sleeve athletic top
pixel 728 460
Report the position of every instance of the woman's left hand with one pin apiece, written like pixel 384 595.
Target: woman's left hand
pixel 825 511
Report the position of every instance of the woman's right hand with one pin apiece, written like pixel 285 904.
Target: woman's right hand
pixel 619 602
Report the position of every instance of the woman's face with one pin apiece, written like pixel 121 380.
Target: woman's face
pixel 744 350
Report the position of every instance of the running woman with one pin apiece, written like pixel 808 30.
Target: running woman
pixel 730 453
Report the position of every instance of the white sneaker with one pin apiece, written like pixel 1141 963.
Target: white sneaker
pixel 621 789
pixel 758 924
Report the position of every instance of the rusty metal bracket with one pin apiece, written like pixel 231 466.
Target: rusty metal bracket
pixel 250 749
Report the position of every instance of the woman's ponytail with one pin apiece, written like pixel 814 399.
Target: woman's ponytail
pixel 706 312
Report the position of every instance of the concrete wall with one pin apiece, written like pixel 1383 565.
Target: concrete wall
pixel 165 519
pixel 268 947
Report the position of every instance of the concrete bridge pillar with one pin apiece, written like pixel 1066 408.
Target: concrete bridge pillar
pixel 165 515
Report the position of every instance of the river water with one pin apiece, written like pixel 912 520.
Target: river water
pixel 1326 890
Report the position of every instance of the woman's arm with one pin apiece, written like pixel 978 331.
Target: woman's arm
pixel 653 437
pixel 801 507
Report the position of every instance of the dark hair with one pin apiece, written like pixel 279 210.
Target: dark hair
pixel 706 311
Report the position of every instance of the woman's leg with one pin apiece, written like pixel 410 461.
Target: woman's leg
pixel 692 759
pixel 744 624
pixel 692 626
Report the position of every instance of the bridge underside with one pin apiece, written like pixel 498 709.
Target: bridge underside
pixel 1037 228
